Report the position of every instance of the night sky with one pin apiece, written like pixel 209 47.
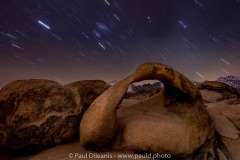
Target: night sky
pixel 70 40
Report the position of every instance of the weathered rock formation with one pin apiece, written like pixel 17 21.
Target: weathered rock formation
pixel 35 114
pixel 173 121
pixel 88 90
pixel 223 105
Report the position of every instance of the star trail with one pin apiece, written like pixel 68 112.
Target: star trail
pixel 44 25
pixel 74 40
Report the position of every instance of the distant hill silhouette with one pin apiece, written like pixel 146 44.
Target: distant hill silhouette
pixel 233 81
pixel 1 86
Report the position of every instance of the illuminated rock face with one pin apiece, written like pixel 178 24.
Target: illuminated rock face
pixel 35 114
pixel 173 121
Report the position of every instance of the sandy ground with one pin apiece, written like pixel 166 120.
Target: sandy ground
pixel 75 151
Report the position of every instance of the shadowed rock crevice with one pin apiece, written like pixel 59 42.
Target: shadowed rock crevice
pixel 88 90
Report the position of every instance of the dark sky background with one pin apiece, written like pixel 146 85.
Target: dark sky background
pixel 69 40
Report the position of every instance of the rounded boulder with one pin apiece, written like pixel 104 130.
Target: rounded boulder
pixel 37 114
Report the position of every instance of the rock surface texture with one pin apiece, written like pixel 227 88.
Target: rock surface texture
pixel 223 105
pixel 88 90
pixel 174 121
pixel 36 114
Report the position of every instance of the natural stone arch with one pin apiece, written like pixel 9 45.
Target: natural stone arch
pixel 173 121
